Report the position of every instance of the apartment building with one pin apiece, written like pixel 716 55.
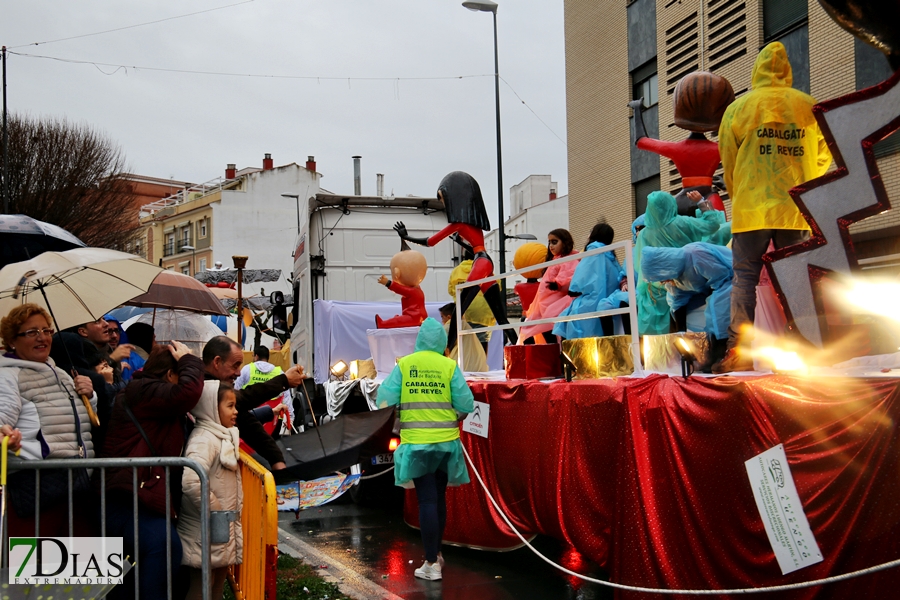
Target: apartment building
pixel 242 213
pixel 619 51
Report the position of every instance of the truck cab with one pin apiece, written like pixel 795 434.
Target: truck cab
pixel 345 244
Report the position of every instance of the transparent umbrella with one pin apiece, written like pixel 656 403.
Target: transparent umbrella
pixel 191 329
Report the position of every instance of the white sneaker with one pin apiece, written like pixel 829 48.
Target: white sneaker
pixel 430 571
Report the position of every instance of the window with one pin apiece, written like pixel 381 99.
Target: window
pixel 169 247
pixel 646 84
pixel 185 270
pixel 642 189
pixel 202 264
pixel 786 21
pixel 779 16
pixel 203 227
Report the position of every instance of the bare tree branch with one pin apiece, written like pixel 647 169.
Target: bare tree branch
pixel 72 176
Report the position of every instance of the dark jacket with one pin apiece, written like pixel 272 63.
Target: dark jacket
pixel 251 429
pixel 161 408
pixel 71 352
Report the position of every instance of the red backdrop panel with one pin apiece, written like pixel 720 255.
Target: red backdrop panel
pixel 646 476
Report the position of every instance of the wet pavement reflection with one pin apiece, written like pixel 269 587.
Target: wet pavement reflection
pixel 376 543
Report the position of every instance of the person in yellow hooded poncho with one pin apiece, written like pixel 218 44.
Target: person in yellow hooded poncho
pixel 479 313
pixel 769 142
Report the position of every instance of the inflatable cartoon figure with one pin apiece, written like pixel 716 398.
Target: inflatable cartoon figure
pixel 408 269
pixel 461 196
pixel 700 101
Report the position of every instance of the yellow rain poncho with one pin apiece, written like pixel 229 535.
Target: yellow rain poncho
pixel 479 312
pixel 769 142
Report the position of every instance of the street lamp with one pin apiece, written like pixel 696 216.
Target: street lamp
pixel 521 236
pixel 297 198
pixel 193 258
pixel 491 7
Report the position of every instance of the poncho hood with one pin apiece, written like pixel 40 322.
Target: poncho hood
pixel 662 264
pixel 431 336
pixel 772 68
pixel 661 209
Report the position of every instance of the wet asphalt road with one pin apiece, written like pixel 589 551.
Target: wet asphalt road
pixel 377 544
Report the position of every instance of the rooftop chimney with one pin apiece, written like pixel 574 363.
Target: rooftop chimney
pixel 357 181
pixel 379 185
pixel 230 171
pixel 553 195
pixel 311 163
pixel 267 162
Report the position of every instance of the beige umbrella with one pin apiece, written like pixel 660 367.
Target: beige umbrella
pixel 75 286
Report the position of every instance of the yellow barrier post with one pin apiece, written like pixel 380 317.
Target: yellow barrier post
pixel 254 578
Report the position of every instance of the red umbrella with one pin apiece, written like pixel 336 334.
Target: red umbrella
pixel 180 292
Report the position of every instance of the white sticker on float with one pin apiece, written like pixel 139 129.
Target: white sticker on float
pixel 478 420
pixel 782 513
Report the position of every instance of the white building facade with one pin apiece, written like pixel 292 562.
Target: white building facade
pixel 534 209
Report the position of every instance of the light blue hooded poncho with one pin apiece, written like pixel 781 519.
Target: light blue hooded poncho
pixel 696 269
pixel 665 228
pixel 416 460
pixel 597 278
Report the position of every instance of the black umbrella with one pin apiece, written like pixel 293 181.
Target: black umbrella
pixel 22 238
pixel 343 441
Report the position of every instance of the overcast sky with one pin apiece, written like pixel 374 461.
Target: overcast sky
pixel 346 77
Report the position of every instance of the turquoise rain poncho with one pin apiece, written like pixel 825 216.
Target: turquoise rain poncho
pixel 597 278
pixel 665 228
pixel 696 269
pixel 416 460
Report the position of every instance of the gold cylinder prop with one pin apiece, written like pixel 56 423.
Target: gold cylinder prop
pixel 597 357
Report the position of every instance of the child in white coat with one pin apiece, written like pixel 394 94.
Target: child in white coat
pixel 214 444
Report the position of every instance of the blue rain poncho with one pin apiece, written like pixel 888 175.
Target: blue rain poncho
pixel 596 278
pixel 665 228
pixel 696 269
pixel 416 460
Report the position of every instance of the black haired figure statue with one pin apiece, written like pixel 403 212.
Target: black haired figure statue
pixel 461 196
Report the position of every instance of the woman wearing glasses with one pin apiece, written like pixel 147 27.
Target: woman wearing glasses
pixel 41 405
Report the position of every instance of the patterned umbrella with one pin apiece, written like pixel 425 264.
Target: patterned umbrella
pixel 22 238
pixel 180 292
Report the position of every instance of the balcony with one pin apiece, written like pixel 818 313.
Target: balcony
pixel 172 248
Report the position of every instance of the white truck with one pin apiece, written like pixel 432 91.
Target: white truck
pixel 344 245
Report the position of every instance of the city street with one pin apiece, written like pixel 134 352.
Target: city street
pixel 380 547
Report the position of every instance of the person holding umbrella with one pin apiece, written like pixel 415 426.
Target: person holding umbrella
pixel 33 394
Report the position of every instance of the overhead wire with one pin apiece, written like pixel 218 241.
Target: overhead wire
pixel 123 28
pixel 229 74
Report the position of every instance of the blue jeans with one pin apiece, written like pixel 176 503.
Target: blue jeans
pixel 430 492
pixel 152 550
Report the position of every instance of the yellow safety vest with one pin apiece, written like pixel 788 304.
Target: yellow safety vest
pixel 257 376
pixel 426 409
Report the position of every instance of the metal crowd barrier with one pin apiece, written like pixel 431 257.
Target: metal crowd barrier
pixel 255 577
pixel 134 464
pixel 631 310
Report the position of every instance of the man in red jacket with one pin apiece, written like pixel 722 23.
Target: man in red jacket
pixel 222 360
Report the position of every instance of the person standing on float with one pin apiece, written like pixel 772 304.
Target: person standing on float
pixel 464 205
pixel 770 142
